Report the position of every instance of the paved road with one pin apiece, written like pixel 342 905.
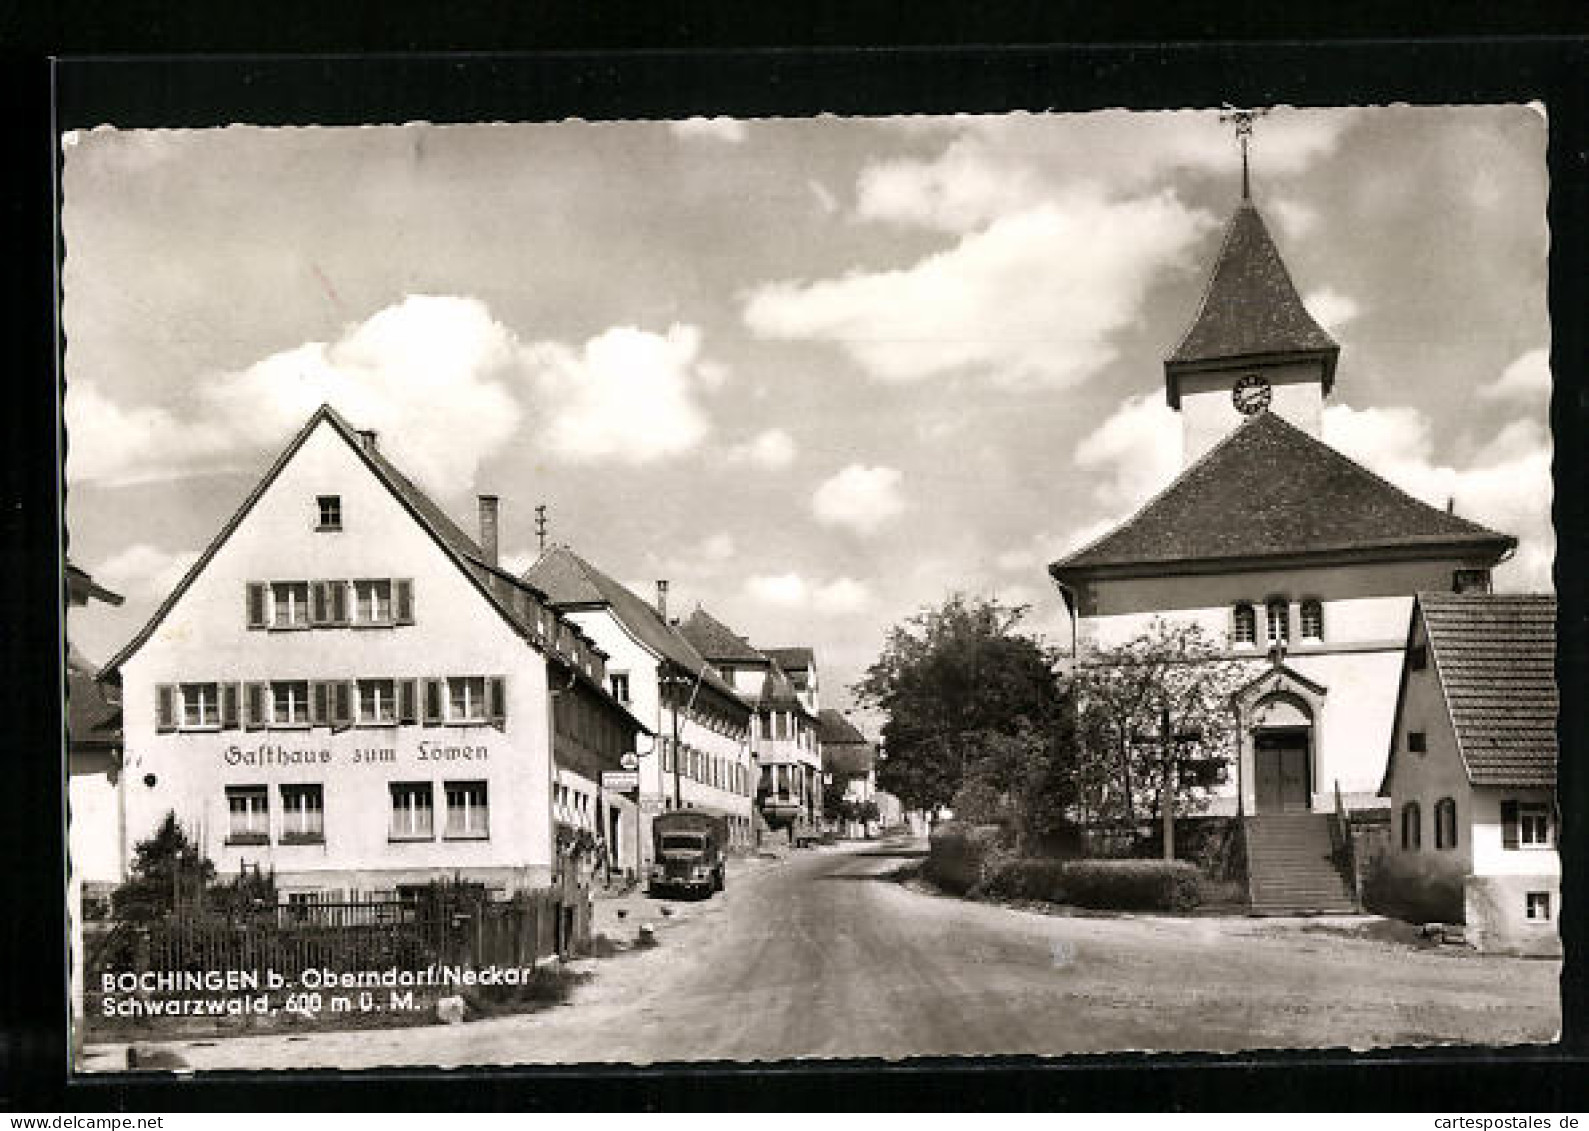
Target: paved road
pixel 826 956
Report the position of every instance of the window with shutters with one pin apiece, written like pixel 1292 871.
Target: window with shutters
pixel 1533 825
pixel 329 508
pixel 289 604
pixel 303 814
pixel 1537 906
pixel 201 706
pixel 248 812
pixel 372 602
pixel 413 811
pixel 1445 824
pixel 289 703
pixel 1310 617
pixel 1411 827
pixel 466 699
pixel 377 702
pixel 467 810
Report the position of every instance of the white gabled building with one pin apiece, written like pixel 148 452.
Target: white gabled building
pixel 1472 771
pixel 346 689
pixel 702 757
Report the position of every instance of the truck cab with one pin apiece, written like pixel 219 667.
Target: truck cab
pixel 687 856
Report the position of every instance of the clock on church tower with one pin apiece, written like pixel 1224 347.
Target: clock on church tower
pixel 1251 394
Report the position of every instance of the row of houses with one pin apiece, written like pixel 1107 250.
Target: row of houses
pixel 351 692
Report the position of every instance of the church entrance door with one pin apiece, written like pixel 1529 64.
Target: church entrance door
pixel 1280 771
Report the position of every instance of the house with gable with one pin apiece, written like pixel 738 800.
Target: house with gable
pixel 349 691
pixel 703 756
pixel 849 764
pixel 789 789
pixel 799 663
pixel 1471 772
pixel 1299 562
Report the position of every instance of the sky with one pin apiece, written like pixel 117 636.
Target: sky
pixel 818 373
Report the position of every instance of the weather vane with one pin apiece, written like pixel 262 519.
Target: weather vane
pixel 1243 120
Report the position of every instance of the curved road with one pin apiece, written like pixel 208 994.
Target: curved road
pixel 827 955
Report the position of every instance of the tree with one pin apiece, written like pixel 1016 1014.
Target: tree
pixel 970 699
pixel 168 871
pixel 1156 724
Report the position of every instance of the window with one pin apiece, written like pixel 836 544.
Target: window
pixel 1445 823
pixel 1411 827
pixel 1470 581
pixel 1278 622
pixel 249 809
pixel 1244 625
pixel 412 811
pixel 1311 616
pixel 1539 906
pixel 1417 742
pixel 289 602
pixel 377 701
pixel 620 686
pixel 289 703
pixel 466 810
pixel 1533 823
pixel 302 814
pixel 466 699
pixel 330 508
pixel 200 705
pixel 372 602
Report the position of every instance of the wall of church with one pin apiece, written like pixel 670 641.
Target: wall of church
pixel 1208 416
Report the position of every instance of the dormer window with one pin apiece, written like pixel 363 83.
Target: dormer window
pixel 330 508
pixel 1244 626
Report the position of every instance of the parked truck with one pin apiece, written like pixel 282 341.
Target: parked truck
pixel 688 847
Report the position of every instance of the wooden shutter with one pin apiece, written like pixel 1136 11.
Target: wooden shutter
pixel 403 600
pixel 338 592
pixel 408 701
pixel 1511 836
pixel 319 703
pixel 253 705
pixel 165 707
pixel 341 696
pixel 319 603
pixel 435 699
pixel 256 592
pixel 496 702
pixel 229 705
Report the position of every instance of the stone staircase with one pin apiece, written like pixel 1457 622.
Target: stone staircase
pixel 1290 868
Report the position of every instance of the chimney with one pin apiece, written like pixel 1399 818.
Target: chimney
pixel 662 600
pixel 488 528
pixel 367 438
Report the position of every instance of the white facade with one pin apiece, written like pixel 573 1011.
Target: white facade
pixel 461 788
pixel 1209 414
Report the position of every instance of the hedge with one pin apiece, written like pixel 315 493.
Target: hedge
pixel 960 856
pixel 1113 885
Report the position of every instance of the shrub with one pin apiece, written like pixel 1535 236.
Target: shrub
pixel 959 855
pixel 1418 889
pixel 1132 885
pixel 1025 878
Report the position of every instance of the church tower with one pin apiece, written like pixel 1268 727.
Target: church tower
pixel 1251 346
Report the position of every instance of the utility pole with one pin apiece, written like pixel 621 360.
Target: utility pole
pixel 540 526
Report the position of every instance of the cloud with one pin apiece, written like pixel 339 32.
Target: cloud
pixel 517 561
pixel 145 570
pixel 423 372
pixel 843 595
pixel 860 498
pixel 826 201
pixel 1332 309
pixel 1296 219
pixel 729 130
pixel 718 548
pixel 1526 380
pixel 1134 453
pixel 973 308
pixel 777 589
pixel 628 395
pixel 772 448
pixel 791 590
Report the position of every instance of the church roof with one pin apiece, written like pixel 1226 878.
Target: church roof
pixel 1496 658
pixel 570 580
pixel 1270 490
pixel 1250 307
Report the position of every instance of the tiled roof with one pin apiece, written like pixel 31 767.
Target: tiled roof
pixel 717 642
pixel 91 718
pixel 1250 306
pixel 844 748
pixel 1496 658
pixel 82 587
pixel 778 690
pixel 793 659
pixel 1267 490
pixel 569 579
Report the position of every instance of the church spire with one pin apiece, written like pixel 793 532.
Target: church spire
pixel 1243 119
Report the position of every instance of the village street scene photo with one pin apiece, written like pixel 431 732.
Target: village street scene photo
pixel 754 590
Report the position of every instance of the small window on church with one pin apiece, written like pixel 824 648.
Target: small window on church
pixel 1244 626
pixel 1312 617
pixel 1470 581
pixel 1278 620
pixel 1411 827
